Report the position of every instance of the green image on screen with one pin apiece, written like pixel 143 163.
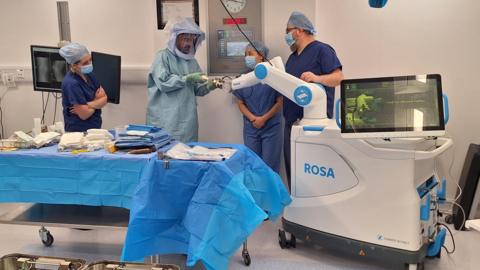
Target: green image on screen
pixel 394 105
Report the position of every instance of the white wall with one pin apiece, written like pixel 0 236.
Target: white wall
pixel 126 28
pixel 413 37
pixel 122 27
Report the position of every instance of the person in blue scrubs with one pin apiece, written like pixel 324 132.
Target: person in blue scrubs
pixel 312 61
pixel 260 105
pixel 82 95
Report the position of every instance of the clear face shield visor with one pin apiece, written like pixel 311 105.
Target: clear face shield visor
pixel 186 43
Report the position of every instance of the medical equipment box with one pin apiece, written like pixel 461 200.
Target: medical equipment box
pixel 110 265
pixel 31 262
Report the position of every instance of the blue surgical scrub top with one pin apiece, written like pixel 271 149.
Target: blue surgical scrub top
pixel 75 91
pixel 318 58
pixel 259 99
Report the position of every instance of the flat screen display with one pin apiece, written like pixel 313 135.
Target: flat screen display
pixel 232 44
pixel 392 104
pixel 48 68
pixel 236 48
pixel 107 69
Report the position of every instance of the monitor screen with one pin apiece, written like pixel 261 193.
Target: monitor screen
pixel 236 48
pixel 232 43
pixel 107 69
pixel 48 68
pixel 402 106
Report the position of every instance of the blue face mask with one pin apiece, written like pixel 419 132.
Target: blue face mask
pixel 289 39
pixel 250 62
pixel 86 69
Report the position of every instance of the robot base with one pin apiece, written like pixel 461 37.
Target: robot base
pixel 412 259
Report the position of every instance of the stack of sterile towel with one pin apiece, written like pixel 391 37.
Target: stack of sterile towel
pixel 94 139
pixel 142 136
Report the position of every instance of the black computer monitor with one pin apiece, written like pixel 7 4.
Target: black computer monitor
pixel 107 69
pixel 48 68
pixel 469 183
pixel 402 106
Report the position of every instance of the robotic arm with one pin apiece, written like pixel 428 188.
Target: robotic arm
pixel 310 96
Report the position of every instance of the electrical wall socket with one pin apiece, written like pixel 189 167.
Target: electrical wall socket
pixel 8 79
pixel 20 75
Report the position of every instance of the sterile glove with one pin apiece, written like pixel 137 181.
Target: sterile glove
pixel 196 77
pixel 211 85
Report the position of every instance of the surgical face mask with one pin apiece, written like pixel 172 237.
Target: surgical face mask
pixel 186 56
pixel 86 69
pixel 250 62
pixel 186 43
pixel 289 39
pixel 185 49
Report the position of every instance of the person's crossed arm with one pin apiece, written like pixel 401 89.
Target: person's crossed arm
pixel 85 111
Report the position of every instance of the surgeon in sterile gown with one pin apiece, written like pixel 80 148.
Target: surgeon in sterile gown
pixel 174 81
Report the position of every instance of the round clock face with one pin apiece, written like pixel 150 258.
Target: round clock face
pixel 235 6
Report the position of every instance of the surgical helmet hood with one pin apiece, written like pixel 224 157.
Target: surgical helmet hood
pixel 184 26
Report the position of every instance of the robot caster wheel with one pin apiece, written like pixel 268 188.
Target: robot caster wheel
pixel 293 241
pixel 46 237
pixel 284 242
pixel 415 266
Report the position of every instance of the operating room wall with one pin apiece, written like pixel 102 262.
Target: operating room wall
pixel 220 120
pixel 414 37
pixel 126 28
pixel 121 27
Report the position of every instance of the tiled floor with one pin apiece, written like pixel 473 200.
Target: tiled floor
pixel 96 245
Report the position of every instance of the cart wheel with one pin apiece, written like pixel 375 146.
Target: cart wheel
pixel 282 239
pixel 49 241
pixel 449 219
pixel 293 241
pixel 246 258
pixel 419 266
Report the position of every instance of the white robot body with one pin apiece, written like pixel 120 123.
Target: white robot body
pixel 308 95
pixel 362 191
pixel 369 197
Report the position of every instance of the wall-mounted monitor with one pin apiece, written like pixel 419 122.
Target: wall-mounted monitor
pixel 48 68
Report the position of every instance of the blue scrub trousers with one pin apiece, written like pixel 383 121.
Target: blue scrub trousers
pixel 266 143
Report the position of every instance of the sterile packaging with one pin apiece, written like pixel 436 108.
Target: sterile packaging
pixel 45 138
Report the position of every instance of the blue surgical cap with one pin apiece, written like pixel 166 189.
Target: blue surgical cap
pixel 299 20
pixel 73 52
pixel 260 47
